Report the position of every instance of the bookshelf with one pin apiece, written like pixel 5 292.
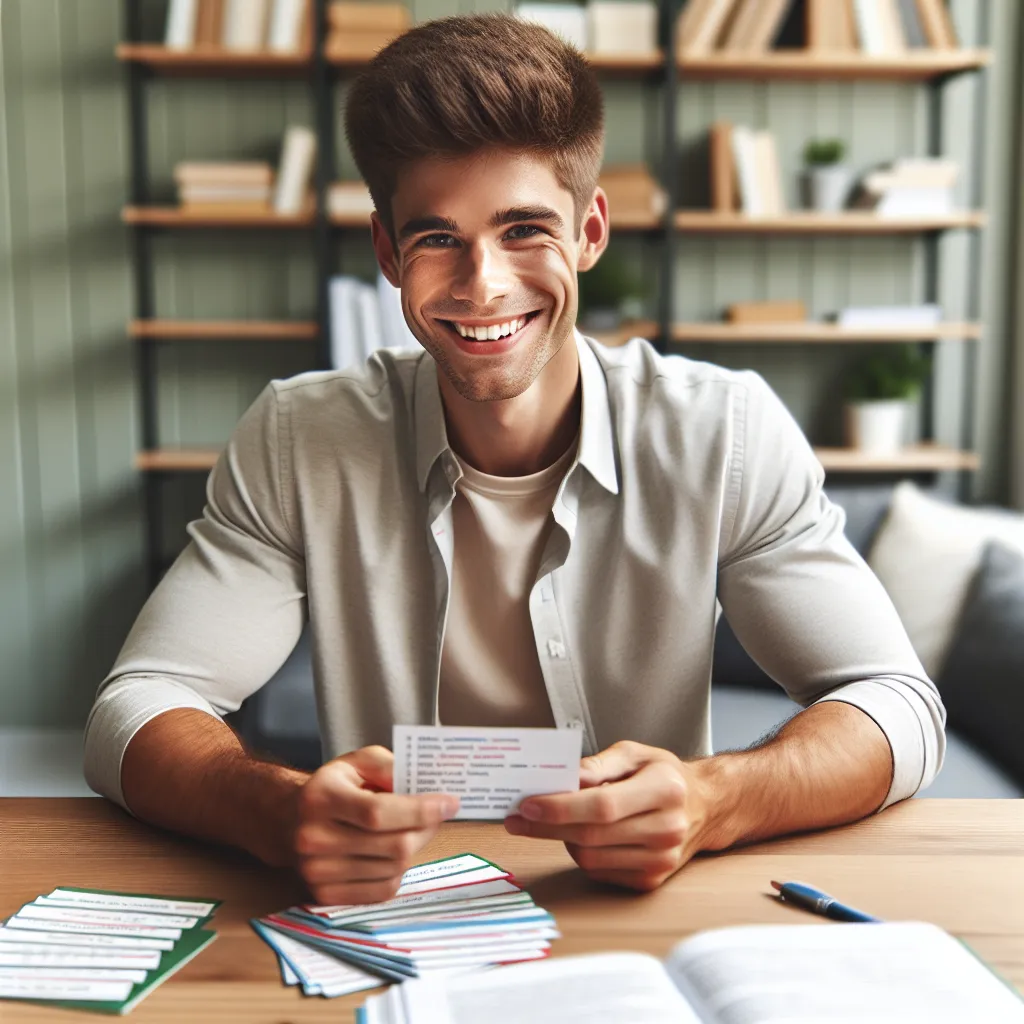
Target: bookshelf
pixel 321 71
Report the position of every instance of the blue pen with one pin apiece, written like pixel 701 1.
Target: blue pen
pixel 818 902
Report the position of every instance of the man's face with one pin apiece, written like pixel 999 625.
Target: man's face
pixel 486 258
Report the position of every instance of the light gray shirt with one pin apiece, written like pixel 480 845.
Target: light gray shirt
pixel 691 485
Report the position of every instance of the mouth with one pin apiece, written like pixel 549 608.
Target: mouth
pixel 493 337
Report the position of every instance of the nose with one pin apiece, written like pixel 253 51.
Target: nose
pixel 482 275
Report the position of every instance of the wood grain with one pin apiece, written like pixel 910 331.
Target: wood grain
pixel 957 863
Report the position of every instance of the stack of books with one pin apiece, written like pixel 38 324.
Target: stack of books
pixel 349 199
pixel 912 187
pixel 927 314
pixel 357 30
pixel 745 171
pixel 612 28
pixel 87 949
pixel 633 194
pixel 278 26
pixel 873 27
pixel 458 914
pixel 221 186
pixel 364 318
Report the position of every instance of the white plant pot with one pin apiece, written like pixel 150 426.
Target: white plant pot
pixel 877 427
pixel 827 188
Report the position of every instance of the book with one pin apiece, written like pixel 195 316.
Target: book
pixel 245 24
pixel 741 26
pixel 622 26
pixel 298 157
pixel 191 194
pixel 210 23
pixel 910 19
pixel 348 198
pixel 358 45
pixel 632 191
pixel 394 329
pixel 710 27
pixel 901 971
pixel 724 186
pixel 347 16
pixel 830 25
pixel 689 21
pixel 287 19
pixel 786 311
pixel 892 27
pixel 769 175
pixel 937 24
pixel 870 29
pixel 772 15
pixel 223 173
pixel 90 949
pixel 923 315
pixel 180 32
pixel 569 21
pixel 744 151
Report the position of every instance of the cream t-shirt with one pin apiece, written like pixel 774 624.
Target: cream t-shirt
pixel 490 669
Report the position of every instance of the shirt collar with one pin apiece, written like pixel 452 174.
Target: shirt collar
pixel 597 446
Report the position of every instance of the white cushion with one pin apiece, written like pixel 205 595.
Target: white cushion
pixel 926 553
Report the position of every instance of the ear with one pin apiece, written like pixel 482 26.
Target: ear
pixel 384 249
pixel 593 238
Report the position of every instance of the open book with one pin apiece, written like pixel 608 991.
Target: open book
pixel 892 973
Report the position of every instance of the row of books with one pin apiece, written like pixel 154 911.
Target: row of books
pixel 455 915
pixel 602 27
pixel 280 26
pixel 364 318
pixel 252 186
pixel 910 187
pixel 874 27
pixel 793 311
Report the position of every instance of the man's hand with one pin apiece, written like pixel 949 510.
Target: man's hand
pixel 354 838
pixel 638 817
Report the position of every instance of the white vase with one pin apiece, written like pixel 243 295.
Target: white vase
pixel 827 188
pixel 877 426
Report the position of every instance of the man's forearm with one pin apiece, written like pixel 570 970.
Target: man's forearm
pixel 828 765
pixel 184 770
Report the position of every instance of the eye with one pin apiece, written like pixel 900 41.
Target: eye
pixel 529 229
pixel 438 241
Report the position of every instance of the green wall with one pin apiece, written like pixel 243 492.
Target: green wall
pixel 71 574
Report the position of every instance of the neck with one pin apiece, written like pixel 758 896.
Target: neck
pixel 522 435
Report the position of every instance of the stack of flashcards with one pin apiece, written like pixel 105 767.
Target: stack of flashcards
pixel 450 915
pixel 102 951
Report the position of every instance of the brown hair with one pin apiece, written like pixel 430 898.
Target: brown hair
pixel 456 85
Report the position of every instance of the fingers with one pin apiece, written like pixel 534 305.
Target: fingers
pixel 616 762
pixel 656 785
pixel 344 894
pixel 374 765
pixel 319 839
pixel 630 867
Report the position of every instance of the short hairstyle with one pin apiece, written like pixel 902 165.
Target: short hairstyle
pixel 457 85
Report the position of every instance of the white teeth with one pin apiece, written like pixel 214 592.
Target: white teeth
pixel 491 333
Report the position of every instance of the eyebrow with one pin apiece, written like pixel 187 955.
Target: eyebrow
pixel 512 215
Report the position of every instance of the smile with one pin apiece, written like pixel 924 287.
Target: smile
pixel 491 332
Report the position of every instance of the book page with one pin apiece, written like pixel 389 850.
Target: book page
pixel 894 973
pixel 613 988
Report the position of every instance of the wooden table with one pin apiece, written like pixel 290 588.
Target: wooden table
pixel 959 863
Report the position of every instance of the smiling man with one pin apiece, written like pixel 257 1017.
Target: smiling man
pixel 515 527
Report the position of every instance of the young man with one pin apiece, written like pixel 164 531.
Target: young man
pixel 514 527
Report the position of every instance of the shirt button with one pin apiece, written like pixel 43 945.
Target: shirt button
pixel 556 649
pixel 574 723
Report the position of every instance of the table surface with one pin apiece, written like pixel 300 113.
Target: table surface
pixel 958 863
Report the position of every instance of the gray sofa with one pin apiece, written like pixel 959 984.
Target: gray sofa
pixel 280 720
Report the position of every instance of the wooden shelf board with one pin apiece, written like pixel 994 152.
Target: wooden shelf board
pixel 802 222
pixel 214 60
pixel 174 217
pixel 231 330
pixel 816 333
pixel 173 460
pixel 915 458
pixel 632 329
pixel 912 66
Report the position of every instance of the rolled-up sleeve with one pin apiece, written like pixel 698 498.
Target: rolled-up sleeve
pixel 805 605
pixel 227 613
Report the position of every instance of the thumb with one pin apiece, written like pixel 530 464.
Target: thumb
pixel 618 761
pixel 373 765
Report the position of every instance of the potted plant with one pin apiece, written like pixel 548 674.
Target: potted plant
pixel 878 395
pixel 827 180
pixel 609 292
